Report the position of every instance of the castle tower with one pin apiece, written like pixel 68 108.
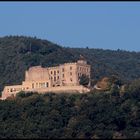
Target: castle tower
pixel 82 60
pixel 83 68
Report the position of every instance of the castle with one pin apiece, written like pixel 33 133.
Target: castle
pixel 62 78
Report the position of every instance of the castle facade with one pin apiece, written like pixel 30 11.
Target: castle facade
pixel 62 78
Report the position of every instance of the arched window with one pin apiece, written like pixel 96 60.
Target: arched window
pixel 54 78
pixel 54 72
pixel 47 84
pixel 32 85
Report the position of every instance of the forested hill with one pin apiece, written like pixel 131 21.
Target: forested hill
pixel 18 53
pixel 104 115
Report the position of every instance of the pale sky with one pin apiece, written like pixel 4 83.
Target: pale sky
pixel 107 25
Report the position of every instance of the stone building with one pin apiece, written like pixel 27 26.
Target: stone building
pixel 62 78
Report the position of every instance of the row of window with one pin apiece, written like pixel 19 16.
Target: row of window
pixel 16 89
pixel 63 68
pixel 40 85
pixel 80 74
pixel 83 69
pixel 57 78
pixel 54 72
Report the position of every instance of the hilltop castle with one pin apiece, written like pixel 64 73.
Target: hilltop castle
pixel 62 78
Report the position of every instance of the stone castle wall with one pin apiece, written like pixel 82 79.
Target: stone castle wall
pixel 62 78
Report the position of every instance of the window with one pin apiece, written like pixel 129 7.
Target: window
pixel 51 77
pixel 57 77
pixel 32 85
pixel 70 68
pixel 54 72
pixel 40 85
pixel 11 90
pixel 70 73
pixel 71 79
pixel 47 84
pixel 51 72
pixel 54 78
pixel 58 71
pixel 62 69
pixel 63 75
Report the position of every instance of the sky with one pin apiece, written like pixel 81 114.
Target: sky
pixel 106 25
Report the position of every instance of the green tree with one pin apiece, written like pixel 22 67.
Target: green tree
pixel 84 80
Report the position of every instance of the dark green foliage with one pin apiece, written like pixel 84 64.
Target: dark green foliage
pixel 135 88
pixel 93 115
pixel 22 94
pixel 116 80
pixel 84 80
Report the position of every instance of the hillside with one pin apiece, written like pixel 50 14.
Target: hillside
pixel 18 53
pixel 102 115
pixel 111 113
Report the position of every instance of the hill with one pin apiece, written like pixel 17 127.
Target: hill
pixel 112 112
pixel 102 115
pixel 18 53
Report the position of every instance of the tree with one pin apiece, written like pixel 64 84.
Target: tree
pixel 116 80
pixel 84 80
